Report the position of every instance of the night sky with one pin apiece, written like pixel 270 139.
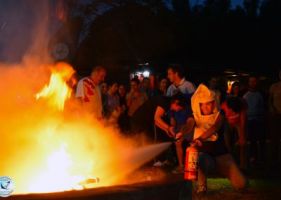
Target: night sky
pixel 234 2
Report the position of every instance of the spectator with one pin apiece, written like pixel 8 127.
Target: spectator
pixel 275 119
pixel 235 90
pixel 123 118
pixel 148 86
pixel 88 91
pixel 122 96
pixel 214 86
pixel 145 86
pixel 255 119
pixel 209 140
pixel 153 86
pixel 235 112
pixel 179 84
pixel 163 85
pixel 113 101
pixel 135 98
pixel 104 90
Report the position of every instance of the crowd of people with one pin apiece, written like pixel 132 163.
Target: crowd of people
pixel 174 109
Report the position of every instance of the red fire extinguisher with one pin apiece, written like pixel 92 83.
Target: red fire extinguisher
pixel 191 164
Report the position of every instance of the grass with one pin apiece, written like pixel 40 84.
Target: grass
pixel 220 188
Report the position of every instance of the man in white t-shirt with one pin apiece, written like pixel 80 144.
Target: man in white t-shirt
pixel 179 84
pixel 88 91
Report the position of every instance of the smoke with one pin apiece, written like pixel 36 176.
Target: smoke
pixel 43 149
pixel 24 26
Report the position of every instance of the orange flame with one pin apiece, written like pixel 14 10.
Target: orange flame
pixel 60 151
pixel 57 175
pixel 57 92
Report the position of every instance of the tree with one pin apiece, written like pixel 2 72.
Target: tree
pixel 181 7
pixel 251 7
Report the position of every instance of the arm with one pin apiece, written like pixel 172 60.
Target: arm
pixel 159 113
pixel 79 93
pixel 187 128
pixel 214 128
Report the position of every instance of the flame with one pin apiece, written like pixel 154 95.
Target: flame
pixel 57 176
pixel 58 151
pixel 57 92
pixel 229 86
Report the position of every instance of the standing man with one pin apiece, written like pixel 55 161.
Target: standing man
pixel 275 115
pixel 89 92
pixel 179 84
pixel 255 119
pixel 135 98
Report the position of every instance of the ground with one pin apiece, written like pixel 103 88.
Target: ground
pixel 258 190
pixel 156 183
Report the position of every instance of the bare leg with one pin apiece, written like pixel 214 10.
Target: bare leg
pixel 227 167
pixel 179 151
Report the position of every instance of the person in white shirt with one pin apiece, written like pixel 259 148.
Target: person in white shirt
pixel 179 84
pixel 255 119
pixel 88 91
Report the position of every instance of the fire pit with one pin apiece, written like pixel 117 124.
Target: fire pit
pixel 166 188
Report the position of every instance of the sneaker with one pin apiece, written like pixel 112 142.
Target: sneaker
pixel 201 189
pixel 178 170
pixel 167 163
pixel 157 164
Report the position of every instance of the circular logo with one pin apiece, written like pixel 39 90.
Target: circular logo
pixel 60 51
pixel 6 186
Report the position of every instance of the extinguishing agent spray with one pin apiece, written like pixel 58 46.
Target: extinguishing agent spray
pixel 191 164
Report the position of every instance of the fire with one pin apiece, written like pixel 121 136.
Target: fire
pixel 57 92
pixel 57 176
pixel 46 151
pixel 58 173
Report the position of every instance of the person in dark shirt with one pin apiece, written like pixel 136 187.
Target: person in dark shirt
pixel 177 103
pixel 123 118
pixel 144 117
pixel 158 110
pixel 236 114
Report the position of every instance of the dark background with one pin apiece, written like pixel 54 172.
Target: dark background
pixel 206 38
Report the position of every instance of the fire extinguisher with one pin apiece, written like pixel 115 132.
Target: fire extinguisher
pixel 191 163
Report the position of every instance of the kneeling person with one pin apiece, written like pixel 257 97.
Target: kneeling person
pixel 209 140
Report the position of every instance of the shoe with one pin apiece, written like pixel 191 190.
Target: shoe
pixel 178 170
pixel 167 163
pixel 201 190
pixel 157 164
